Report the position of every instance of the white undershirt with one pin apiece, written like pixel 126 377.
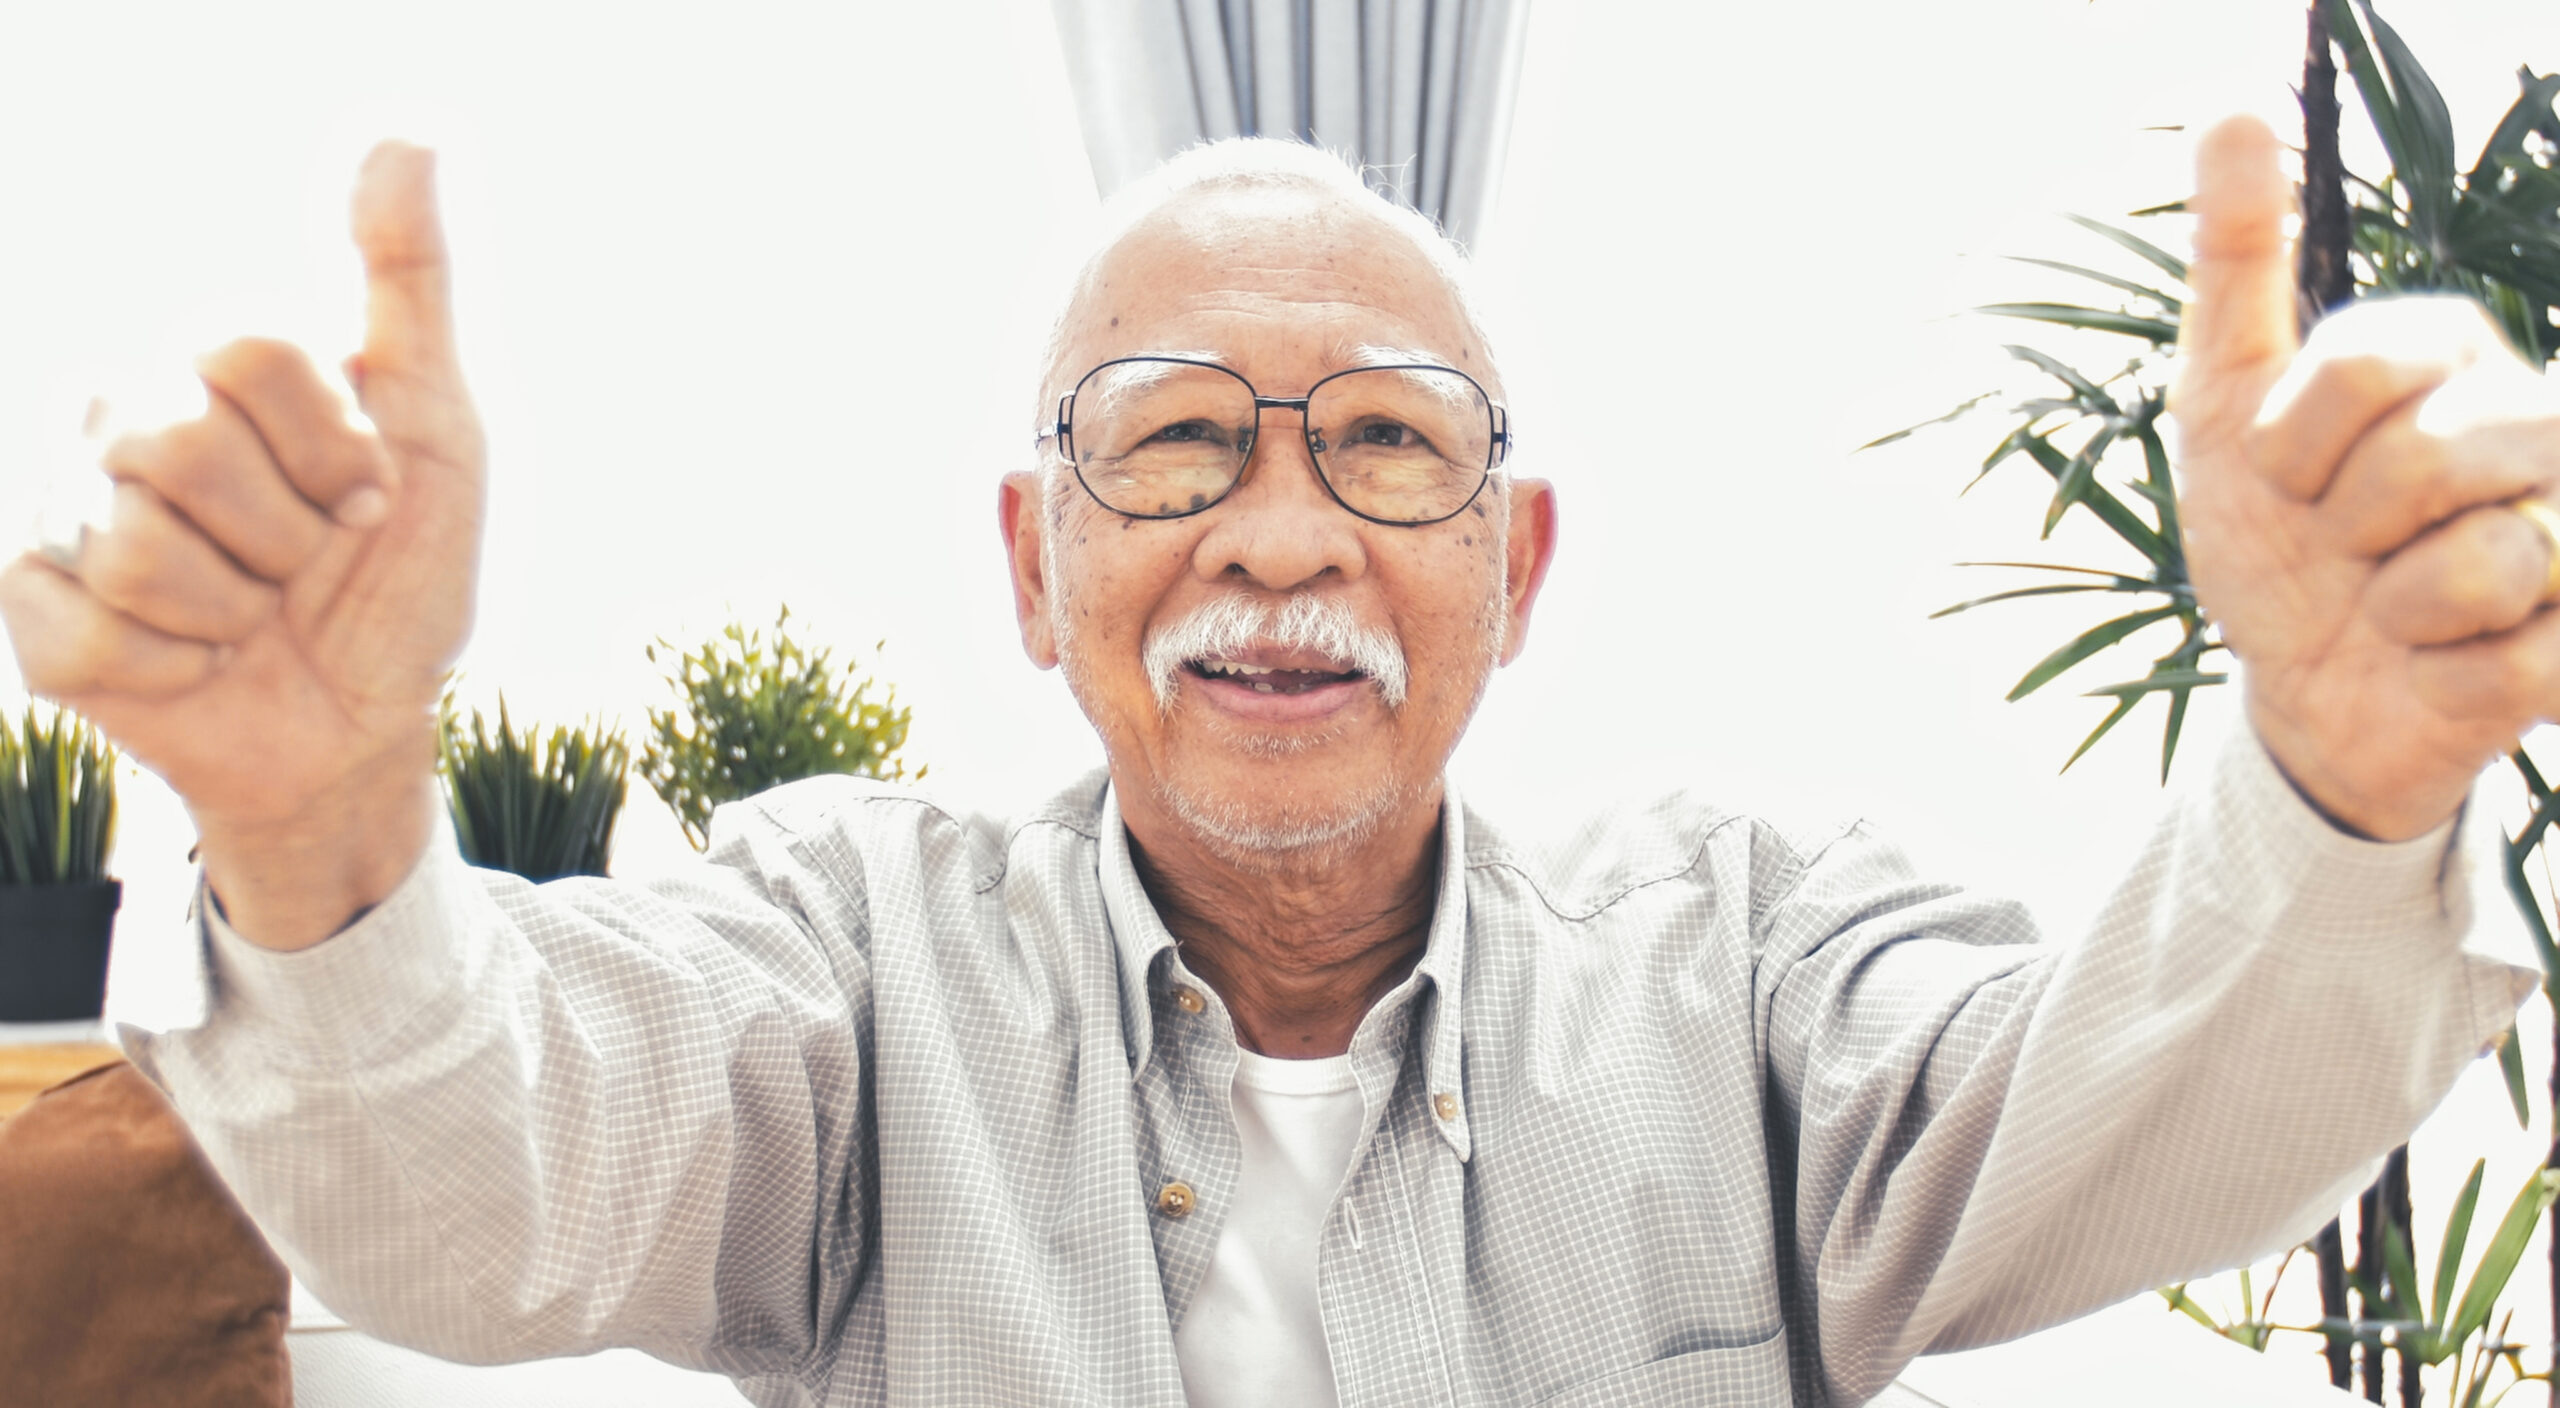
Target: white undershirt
pixel 1254 1336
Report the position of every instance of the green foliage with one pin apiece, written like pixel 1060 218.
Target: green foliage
pixel 2076 427
pixel 2422 1319
pixel 756 714
pixel 2251 1326
pixel 2492 232
pixel 2520 848
pixel 2437 1327
pixel 539 807
pixel 57 800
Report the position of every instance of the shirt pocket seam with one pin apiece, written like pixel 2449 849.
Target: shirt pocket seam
pixel 1608 1387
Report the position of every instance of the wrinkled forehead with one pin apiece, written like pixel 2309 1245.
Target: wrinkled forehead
pixel 1283 275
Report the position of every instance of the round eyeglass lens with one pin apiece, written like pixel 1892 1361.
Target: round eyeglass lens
pixel 1157 439
pixel 1403 444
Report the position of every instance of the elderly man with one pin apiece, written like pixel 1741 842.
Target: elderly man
pixel 1260 1071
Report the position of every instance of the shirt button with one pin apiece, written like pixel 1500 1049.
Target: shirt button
pixel 1175 1199
pixel 1446 1105
pixel 1189 1000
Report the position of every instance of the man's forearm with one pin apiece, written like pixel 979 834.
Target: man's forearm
pixel 497 1122
pixel 2263 1004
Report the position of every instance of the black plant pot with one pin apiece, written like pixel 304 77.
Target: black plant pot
pixel 53 950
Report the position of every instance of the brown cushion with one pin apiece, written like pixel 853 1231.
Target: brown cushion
pixel 128 1272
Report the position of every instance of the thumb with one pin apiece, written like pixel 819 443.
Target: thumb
pixel 408 298
pixel 2237 333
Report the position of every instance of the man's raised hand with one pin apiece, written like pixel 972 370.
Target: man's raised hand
pixel 2345 506
pixel 266 619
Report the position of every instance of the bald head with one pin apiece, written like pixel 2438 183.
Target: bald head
pixel 1257 204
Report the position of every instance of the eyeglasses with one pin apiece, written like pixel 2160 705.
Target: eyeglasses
pixel 1167 437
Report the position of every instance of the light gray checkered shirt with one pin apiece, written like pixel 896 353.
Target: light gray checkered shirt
pixel 882 1103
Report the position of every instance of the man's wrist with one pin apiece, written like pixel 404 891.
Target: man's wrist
pixel 2417 808
pixel 288 885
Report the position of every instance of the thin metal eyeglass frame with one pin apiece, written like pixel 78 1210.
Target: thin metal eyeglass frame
pixel 1496 451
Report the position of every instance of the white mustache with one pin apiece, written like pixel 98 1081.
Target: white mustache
pixel 1233 624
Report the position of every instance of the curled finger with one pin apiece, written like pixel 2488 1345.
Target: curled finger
pixel 69 643
pixel 2481 573
pixel 338 466
pixel 2403 478
pixel 2356 369
pixel 2504 683
pixel 156 567
pixel 219 473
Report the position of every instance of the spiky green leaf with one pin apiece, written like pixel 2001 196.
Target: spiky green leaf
pixel 2084 645
pixel 2141 248
pixel 2511 1066
pixel 2133 584
pixel 2158 332
pixel 2505 1249
pixel 2457 1232
pixel 1908 431
pixel 2101 276
pixel 2159 680
pixel 2114 716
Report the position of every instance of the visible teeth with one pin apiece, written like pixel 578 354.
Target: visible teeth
pixel 1252 675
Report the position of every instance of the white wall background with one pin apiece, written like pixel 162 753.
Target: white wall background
pixel 750 303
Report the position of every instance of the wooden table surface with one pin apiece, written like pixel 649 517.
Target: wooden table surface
pixel 24 1070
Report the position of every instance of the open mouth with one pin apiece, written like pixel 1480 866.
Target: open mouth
pixel 1263 679
pixel 1277 662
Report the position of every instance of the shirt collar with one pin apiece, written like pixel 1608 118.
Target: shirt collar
pixel 1140 937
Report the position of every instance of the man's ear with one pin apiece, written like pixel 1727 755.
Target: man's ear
pixel 1532 550
pixel 1020 506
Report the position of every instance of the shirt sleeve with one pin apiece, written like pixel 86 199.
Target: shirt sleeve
pixel 1986 1136
pixel 501 1121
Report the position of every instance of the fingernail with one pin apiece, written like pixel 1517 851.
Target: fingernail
pixel 365 508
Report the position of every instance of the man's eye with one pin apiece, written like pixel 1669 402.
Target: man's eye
pixel 1388 434
pixel 1189 432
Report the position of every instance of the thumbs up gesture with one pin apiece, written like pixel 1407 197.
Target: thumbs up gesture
pixel 2350 506
pixel 266 618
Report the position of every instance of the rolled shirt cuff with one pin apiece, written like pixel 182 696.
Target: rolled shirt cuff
pixel 336 1001
pixel 2346 898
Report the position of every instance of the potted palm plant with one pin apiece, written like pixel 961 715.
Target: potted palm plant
pixel 57 906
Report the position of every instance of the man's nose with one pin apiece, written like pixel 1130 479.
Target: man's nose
pixel 1279 527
